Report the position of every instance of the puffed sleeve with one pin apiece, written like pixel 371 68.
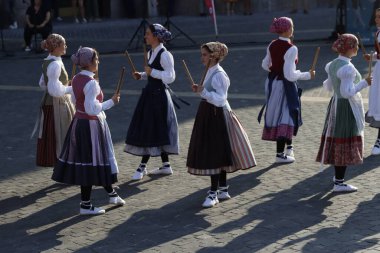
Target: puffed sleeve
pixel 220 82
pixel 267 61
pixel 290 71
pixel 347 75
pixel 91 104
pixel 327 84
pixel 168 74
pixel 55 87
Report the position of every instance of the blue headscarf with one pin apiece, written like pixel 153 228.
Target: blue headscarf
pixel 160 32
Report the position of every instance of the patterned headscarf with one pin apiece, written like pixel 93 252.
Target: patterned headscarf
pixel 218 50
pixel 345 42
pixel 83 57
pixel 281 25
pixel 52 42
pixel 160 32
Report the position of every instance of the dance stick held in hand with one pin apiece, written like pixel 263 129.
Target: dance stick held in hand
pixel 361 45
pixel 188 73
pixel 315 59
pixel 130 61
pixel 73 71
pixel 121 81
pixel 205 72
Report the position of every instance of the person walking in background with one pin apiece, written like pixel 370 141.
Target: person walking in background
pixel 92 10
pixel 305 4
pixel 342 137
pixel 373 114
pixel 247 7
pixel 56 110
pixel 78 5
pixel 230 6
pixel 218 143
pixel 38 21
pixel 153 130
pixel 10 8
pixel 88 156
pixel 282 117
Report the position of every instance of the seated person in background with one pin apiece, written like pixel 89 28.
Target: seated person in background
pixel 37 21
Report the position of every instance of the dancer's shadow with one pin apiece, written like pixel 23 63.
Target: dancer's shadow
pixel 16 202
pixel 150 228
pixel 289 211
pixel 354 235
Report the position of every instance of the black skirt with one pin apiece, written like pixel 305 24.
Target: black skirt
pixel 149 127
pixel 209 148
pixel 85 159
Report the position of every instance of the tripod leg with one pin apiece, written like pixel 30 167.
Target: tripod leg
pixel 141 26
pixel 168 22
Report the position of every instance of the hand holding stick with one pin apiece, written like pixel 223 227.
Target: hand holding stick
pixel 130 61
pixel 315 59
pixel 188 72
pixel 121 80
pixel 205 72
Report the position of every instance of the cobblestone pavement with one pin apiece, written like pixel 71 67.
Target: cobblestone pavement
pixel 287 208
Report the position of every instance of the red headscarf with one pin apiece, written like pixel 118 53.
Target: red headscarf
pixel 345 42
pixel 281 25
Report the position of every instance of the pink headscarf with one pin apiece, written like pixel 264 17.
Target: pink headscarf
pixel 345 42
pixel 281 25
pixel 83 57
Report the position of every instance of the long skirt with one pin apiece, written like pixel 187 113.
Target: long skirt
pixel 242 153
pixel 341 143
pixel 373 115
pixel 55 117
pixel 278 122
pixel 87 156
pixel 46 153
pixel 154 127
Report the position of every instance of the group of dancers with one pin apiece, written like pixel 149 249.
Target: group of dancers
pixel 73 135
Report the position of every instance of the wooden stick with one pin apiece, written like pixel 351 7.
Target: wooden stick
pixel 315 58
pixel 96 76
pixel 73 71
pixel 145 55
pixel 130 61
pixel 361 44
pixel 205 72
pixel 121 81
pixel 188 73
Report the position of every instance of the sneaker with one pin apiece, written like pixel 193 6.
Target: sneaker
pixel 282 158
pixel 91 211
pixel 289 151
pixel 376 148
pixel 344 188
pixel 76 20
pixel 223 193
pixel 59 19
pixel 116 201
pixel 211 200
pixel 13 26
pixel 139 174
pixel 162 171
pixel 84 21
pixel 27 49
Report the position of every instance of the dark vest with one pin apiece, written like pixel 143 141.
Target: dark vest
pixel 78 84
pixel 154 83
pixel 277 51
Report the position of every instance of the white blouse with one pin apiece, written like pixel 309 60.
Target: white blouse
pixel 91 90
pixel 347 75
pixel 220 82
pixel 54 86
pixel 167 62
pixel 290 71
